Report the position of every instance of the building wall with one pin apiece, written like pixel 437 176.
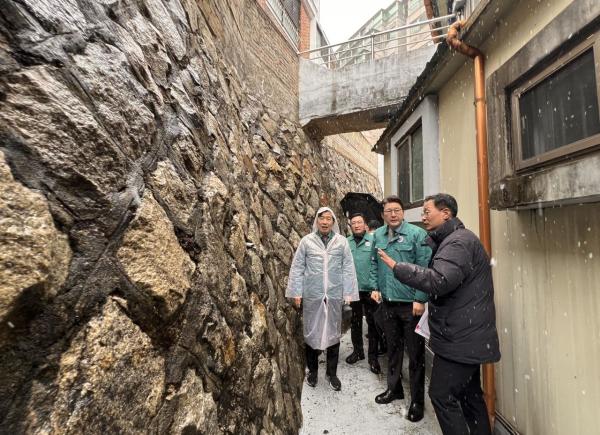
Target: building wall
pixel 458 159
pixel 397 14
pixel 356 148
pixel 305 29
pixel 270 70
pixel 359 93
pixel 425 114
pixel 548 300
pixel 547 268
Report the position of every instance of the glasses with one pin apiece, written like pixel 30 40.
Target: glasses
pixel 429 212
pixel 393 211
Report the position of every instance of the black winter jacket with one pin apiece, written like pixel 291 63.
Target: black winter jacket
pixel 462 315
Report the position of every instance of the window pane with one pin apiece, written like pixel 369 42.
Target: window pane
pixel 292 7
pixel 560 110
pixel 417 165
pixel 404 172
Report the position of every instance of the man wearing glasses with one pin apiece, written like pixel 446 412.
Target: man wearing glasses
pixel 462 316
pixel 402 304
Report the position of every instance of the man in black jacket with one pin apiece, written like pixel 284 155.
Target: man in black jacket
pixel 462 316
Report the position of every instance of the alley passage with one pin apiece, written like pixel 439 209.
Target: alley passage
pixel 353 410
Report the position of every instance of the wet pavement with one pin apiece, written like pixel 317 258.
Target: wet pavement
pixel 353 410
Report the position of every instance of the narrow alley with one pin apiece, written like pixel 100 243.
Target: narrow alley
pixel 353 410
pixel 196 194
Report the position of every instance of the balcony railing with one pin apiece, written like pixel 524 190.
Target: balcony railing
pixel 380 44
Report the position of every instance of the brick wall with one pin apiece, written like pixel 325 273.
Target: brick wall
pixel 272 60
pixel 268 66
pixel 265 59
pixel 304 29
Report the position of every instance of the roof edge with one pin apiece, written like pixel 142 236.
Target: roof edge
pixel 441 57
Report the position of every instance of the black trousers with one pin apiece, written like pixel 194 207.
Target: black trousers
pixel 312 359
pixel 367 306
pixel 399 326
pixel 456 395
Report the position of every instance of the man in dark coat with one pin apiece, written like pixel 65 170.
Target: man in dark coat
pixel 462 316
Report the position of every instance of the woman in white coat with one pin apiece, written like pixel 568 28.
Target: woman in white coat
pixel 322 278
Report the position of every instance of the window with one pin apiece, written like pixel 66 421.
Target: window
pixel 292 7
pixel 526 168
pixel 556 113
pixel 287 13
pixel 410 167
pixel 411 160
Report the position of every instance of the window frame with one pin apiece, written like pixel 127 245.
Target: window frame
pixel 407 138
pixel 575 148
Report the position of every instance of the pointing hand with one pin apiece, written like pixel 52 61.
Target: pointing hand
pixel 386 259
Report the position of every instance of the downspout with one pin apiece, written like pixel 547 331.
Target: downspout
pixel 489 383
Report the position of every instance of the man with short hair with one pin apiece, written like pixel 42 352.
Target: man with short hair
pixel 402 304
pixel 322 278
pixel 372 226
pixel 361 245
pixel 462 316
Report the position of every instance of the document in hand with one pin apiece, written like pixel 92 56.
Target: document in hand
pixel 423 325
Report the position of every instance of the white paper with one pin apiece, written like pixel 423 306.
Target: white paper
pixel 423 325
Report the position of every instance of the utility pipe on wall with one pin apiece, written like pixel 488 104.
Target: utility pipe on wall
pixel 489 383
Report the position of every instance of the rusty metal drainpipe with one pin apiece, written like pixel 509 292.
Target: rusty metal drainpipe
pixel 489 382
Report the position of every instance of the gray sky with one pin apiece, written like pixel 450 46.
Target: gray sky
pixel 341 18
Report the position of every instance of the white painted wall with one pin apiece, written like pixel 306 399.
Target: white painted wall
pixel 547 266
pixel 427 114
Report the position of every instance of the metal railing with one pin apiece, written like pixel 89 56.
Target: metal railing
pixel 380 44
pixel 285 20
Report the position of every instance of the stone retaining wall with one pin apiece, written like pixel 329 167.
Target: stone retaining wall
pixel 151 198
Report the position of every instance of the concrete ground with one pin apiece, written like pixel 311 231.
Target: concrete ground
pixel 353 410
